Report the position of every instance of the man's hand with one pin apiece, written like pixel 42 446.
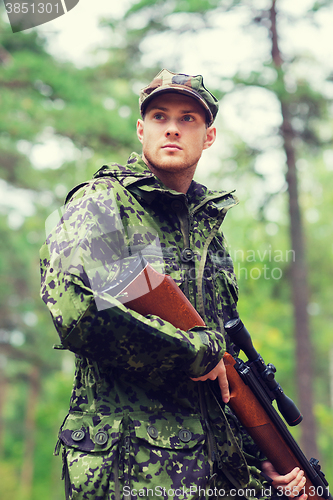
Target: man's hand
pixel 220 373
pixel 290 485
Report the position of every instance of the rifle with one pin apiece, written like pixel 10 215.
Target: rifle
pixel 252 384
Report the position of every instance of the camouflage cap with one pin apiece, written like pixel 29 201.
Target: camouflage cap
pixel 166 81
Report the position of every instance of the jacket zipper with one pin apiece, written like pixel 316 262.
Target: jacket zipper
pixel 213 454
pixel 185 230
pixel 126 453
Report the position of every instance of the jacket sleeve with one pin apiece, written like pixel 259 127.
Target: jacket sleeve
pixel 82 255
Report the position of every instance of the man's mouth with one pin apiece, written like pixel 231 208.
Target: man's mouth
pixel 172 146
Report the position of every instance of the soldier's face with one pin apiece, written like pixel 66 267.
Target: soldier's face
pixel 174 133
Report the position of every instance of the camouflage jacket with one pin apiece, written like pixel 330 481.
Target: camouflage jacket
pixel 137 424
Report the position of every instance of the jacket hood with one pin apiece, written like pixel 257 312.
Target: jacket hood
pixel 137 177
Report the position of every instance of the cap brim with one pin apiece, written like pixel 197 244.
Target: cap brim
pixel 179 90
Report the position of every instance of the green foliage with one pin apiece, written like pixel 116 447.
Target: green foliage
pixel 9 480
pixel 89 114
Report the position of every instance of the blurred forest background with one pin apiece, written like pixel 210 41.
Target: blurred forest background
pixel 59 123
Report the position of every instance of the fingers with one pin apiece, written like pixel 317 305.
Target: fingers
pixel 303 497
pixel 290 484
pixel 219 373
pixel 295 486
pixel 223 383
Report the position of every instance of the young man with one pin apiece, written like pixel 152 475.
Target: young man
pixel 148 415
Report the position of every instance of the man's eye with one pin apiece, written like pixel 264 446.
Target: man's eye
pixel 158 116
pixel 188 118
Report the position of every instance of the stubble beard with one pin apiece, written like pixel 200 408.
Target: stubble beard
pixel 170 165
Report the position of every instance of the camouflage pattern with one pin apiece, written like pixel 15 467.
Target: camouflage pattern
pixel 166 81
pixel 138 426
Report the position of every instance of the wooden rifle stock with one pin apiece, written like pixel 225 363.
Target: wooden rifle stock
pixel 166 300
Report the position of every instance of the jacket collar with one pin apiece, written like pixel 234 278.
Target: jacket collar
pixel 137 178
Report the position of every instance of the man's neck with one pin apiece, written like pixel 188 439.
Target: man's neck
pixel 171 180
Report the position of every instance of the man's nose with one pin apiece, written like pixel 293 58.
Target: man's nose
pixel 172 129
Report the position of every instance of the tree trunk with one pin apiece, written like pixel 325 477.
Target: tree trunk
pixel 299 280
pixel 331 375
pixel 30 436
pixel 3 392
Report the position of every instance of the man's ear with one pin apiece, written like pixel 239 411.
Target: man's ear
pixel 210 137
pixel 139 130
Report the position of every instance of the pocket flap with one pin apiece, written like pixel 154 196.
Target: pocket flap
pixel 90 432
pixel 170 431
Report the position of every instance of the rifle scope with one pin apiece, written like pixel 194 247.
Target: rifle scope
pixel 266 373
